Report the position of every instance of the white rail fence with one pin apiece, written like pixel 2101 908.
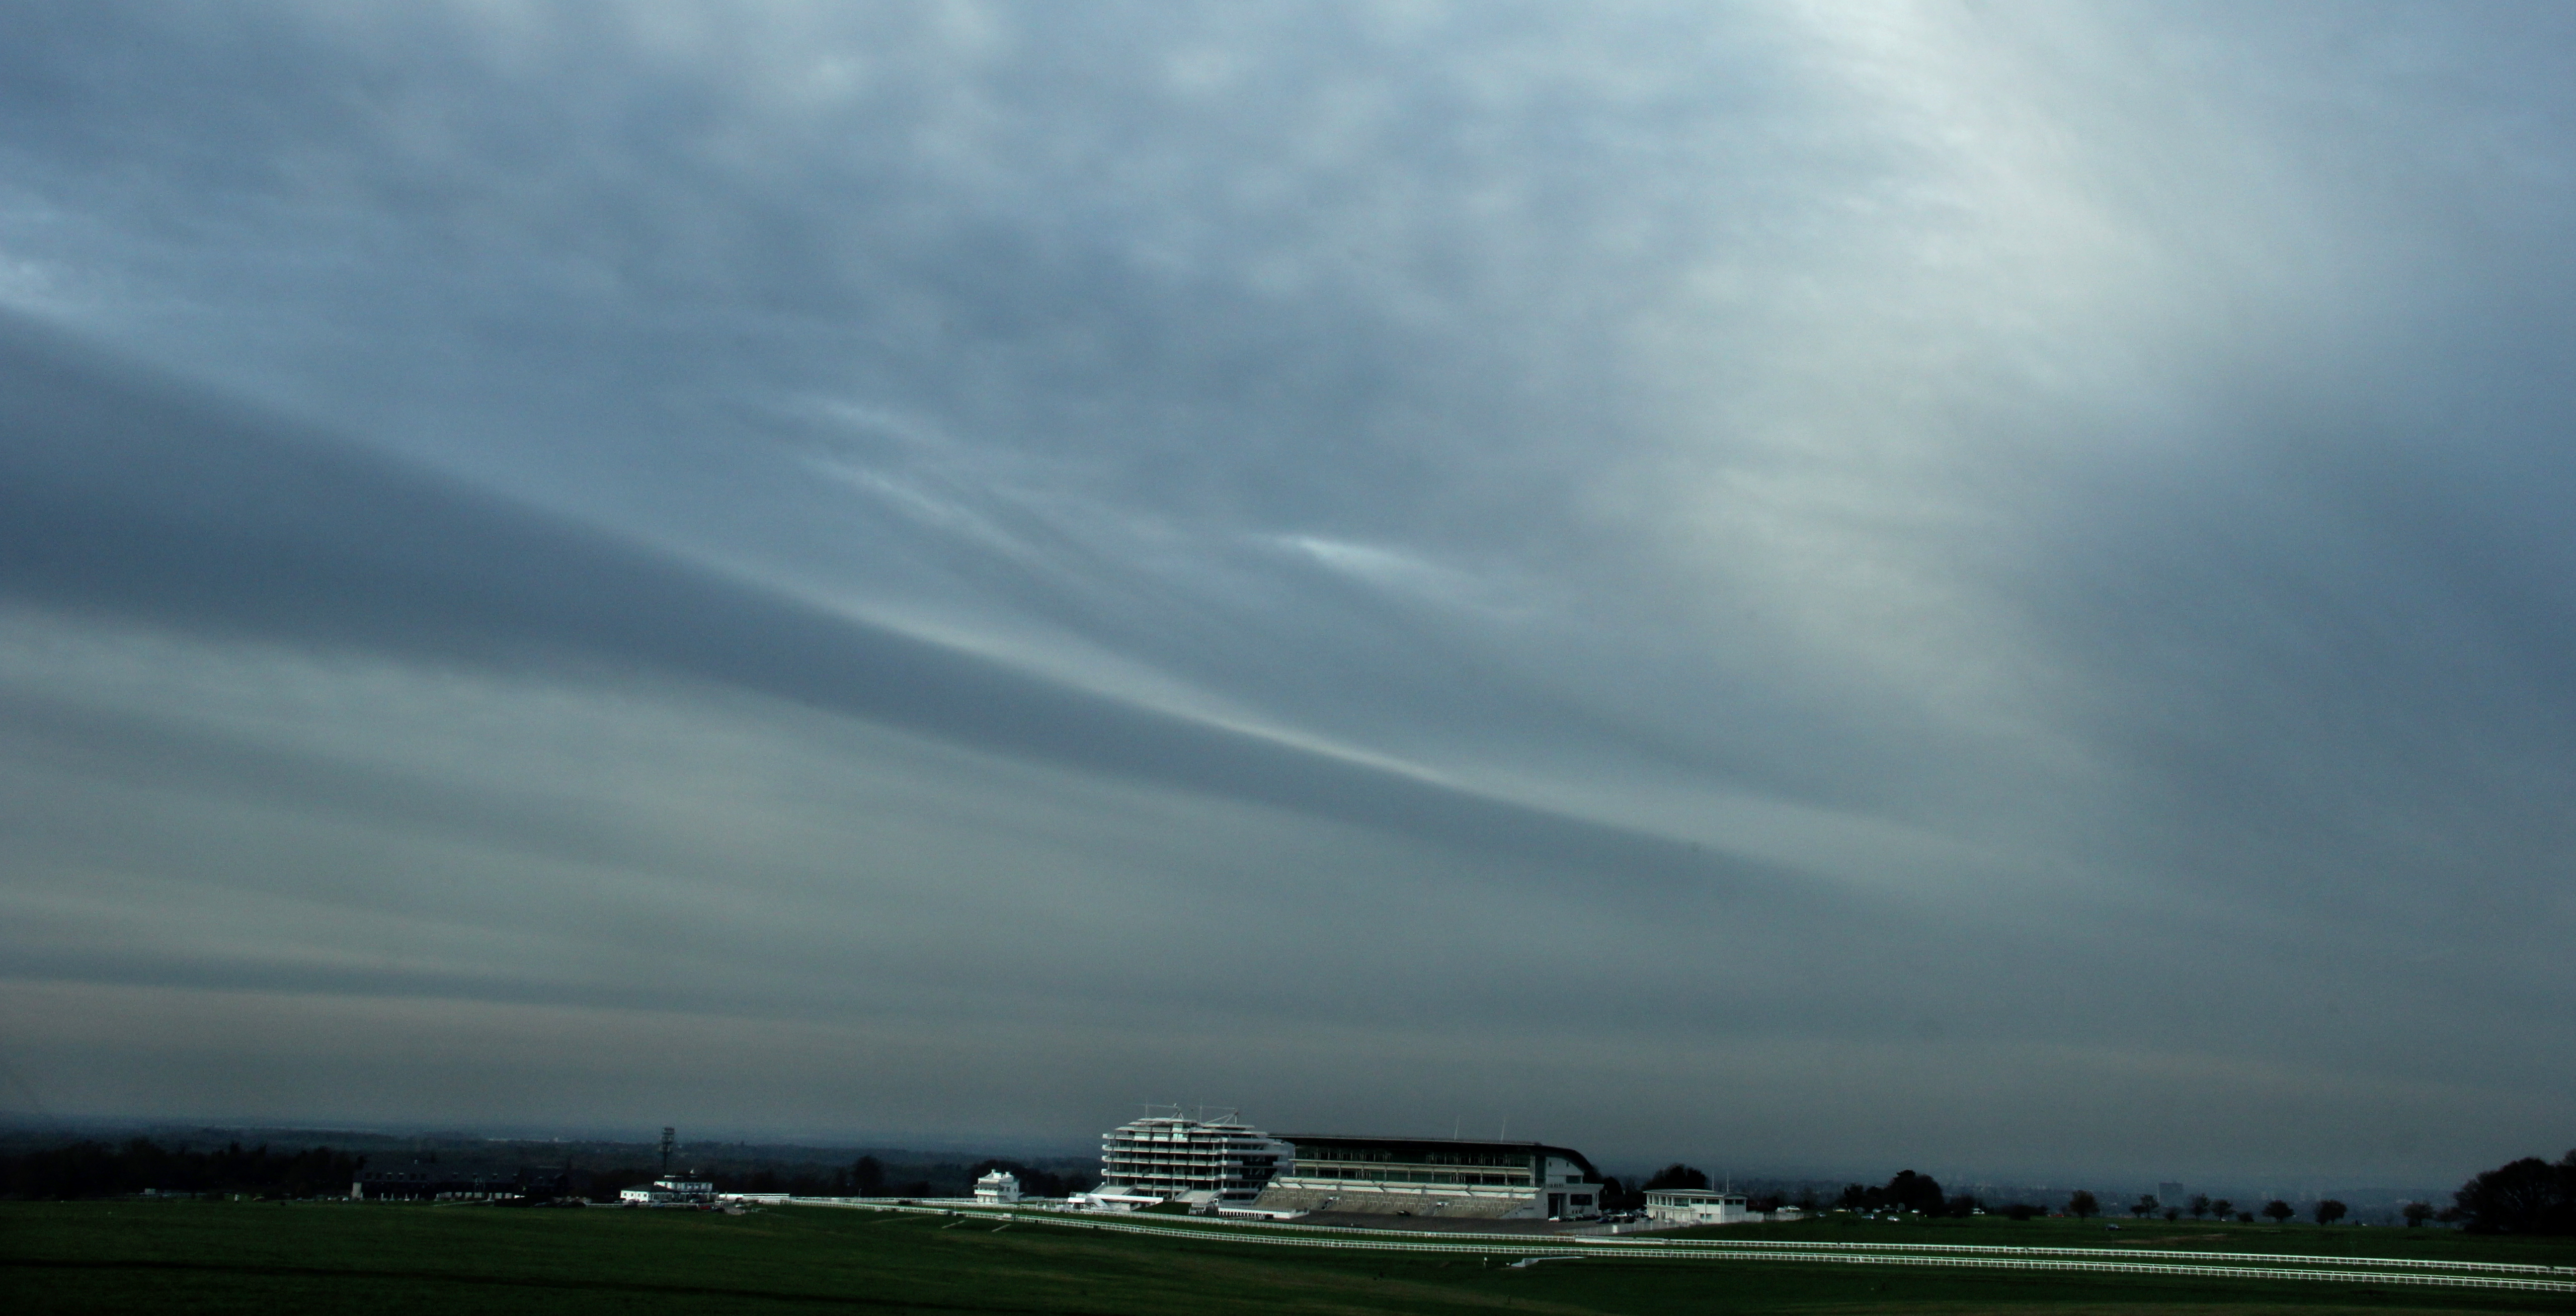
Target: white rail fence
pixel 2200 1265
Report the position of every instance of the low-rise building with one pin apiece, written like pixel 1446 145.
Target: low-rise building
pixel 433 1183
pixel 670 1192
pixel 997 1189
pixel 1698 1206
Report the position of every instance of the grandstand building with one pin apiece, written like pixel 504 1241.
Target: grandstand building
pixel 1204 1162
pixel 1451 1177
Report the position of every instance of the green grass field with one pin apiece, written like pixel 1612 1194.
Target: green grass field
pixel 393 1258
pixel 2157 1235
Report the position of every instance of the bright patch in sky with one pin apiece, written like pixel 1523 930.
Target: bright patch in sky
pixel 979 564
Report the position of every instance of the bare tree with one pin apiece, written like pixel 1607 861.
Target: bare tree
pixel 2144 1206
pixel 2200 1205
pixel 2330 1210
pixel 2083 1205
pixel 2417 1213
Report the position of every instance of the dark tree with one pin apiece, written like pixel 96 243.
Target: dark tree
pixel 2278 1210
pixel 2330 1210
pixel 2144 1206
pixel 2083 1205
pixel 2417 1213
pixel 95 1169
pixel 1617 1197
pixel 2199 1205
pixel 2223 1209
pixel 868 1176
pixel 1676 1175
pixel 1909 1191
pixel 2021 1211
pixel 1962 1206
pixel 2173 1213
pixel 2528 1196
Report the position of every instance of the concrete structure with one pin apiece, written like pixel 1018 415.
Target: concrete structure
pixel 1452 1177
pixel 423 1185
pixel 1698 1206
pixel 1203 1162
pixel 997 1189
pixel 670 1192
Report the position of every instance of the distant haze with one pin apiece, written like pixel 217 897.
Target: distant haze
pixel 1811 588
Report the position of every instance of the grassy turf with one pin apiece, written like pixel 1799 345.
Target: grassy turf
pixel 2160 1236
pixel 396 1258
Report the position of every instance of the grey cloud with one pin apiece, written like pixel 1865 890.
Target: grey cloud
pixel 2060 506
pixel 136 499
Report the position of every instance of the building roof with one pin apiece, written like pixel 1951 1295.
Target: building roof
pixel 1444 1144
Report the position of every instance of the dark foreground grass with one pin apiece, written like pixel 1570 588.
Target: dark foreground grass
pixel 389 1258
pixel 2154 1236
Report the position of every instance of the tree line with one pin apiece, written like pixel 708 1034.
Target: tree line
pixel 99 1169
pixel 88 1169
pixel 1913 1193
pixel 868 1176
pixel 2528 1196
pixel 1616 1196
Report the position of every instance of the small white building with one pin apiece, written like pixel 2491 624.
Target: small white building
pixel 1698 1206
pixel 997 1189
pixel 670 1192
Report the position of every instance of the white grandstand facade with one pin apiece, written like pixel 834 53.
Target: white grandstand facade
pixel 1201 1160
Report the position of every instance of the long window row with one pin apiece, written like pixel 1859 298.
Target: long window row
pixel 1402 1155
pixel 1183 1167
pixel 1374 1174
pixel 1183 1158
pixel 1200 1153
pixel 1231 1176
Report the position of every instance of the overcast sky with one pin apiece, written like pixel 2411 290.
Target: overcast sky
pixel 1809 587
